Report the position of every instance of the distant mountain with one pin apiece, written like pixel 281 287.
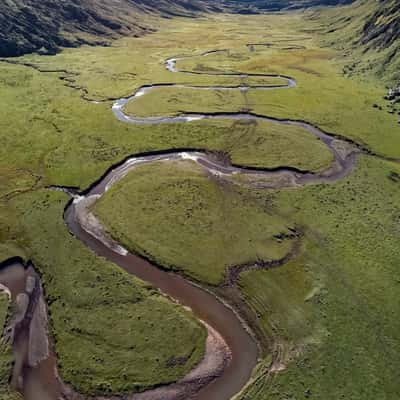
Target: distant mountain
pixel 254 6
pixel 45 25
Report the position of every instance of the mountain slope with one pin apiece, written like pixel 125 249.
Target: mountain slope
pixel 382 28
pixel 29 25
pixel 368 32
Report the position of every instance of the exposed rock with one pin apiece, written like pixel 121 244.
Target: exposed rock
pixel 38 338
pixel 30 284
pixel 393 94
pixel 22 304
pixel 382 28
pixel 394 176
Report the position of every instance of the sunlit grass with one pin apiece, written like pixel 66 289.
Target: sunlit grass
pixel 178 216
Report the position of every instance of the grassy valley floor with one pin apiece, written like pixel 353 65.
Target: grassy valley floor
pixel 333 312
pixel 328 318
pixel 328 314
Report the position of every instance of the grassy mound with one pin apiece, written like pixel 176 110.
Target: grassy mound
pixel 185 221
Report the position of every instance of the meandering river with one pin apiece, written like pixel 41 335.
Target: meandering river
pixel 232 352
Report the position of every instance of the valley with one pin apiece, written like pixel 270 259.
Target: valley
pixel 211 209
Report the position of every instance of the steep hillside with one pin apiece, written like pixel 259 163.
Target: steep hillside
pixel 382 28
pixel 368 32
pixel 29 25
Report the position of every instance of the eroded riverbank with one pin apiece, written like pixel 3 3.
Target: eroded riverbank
pixel 34 373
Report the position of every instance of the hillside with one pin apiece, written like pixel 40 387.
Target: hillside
pixel 382 28
pixel 45 26
pixel 368 33
pixel 28 25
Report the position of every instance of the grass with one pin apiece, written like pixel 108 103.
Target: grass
pixel 62 133
pixel 281 299
pixel 336 307
pixel 5 355
pixel 188 222
pixel 323 95
pixel 269 145
pixel 327 315
pixel 172 101
pixel 112 333
pixel 367 37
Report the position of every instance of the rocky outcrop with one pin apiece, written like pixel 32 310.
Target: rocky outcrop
pixel 382 28
pixel 393 94
pixel 369 32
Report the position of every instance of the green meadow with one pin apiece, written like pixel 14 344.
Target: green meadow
pixel 332 313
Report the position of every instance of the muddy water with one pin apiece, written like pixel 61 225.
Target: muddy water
pixel 35 379
pixel 204 305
